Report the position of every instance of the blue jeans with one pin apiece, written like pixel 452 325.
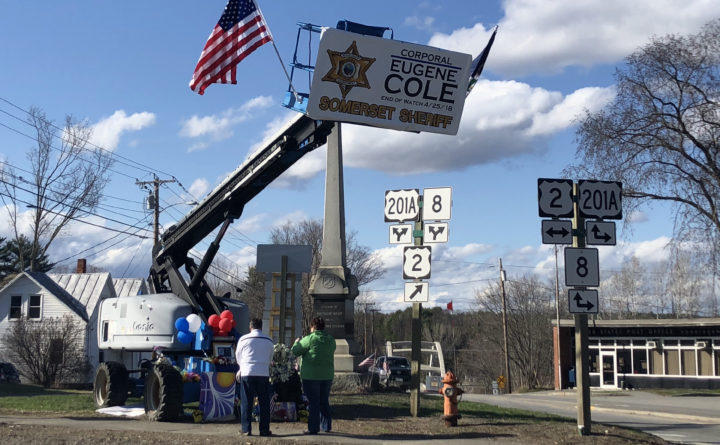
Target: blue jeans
pixel 250 387
pixel 319 414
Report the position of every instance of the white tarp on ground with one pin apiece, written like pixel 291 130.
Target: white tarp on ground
pixel 123 411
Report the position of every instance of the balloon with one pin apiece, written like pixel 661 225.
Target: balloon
pixel 225 324
pixel 214 320
pixel 185 337
pixel 181 324
pixel 222 333
pixel 194 322
pixel 234 323
pixel 226 314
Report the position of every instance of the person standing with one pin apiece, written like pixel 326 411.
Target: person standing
pixel 317 371
pixel 253 353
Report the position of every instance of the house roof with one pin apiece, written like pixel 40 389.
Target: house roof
pixel 43 280
pixel 125 287
pixel 650 322
pixel 86 288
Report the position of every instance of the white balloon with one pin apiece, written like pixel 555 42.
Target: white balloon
pixel 194 322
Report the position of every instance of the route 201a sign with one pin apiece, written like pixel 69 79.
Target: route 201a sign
pixel 435 233
pixel 401 234
pixel 416 262
pixel 437 203
pixel 416 293
pixel 600 199
pixel 402 205
pixel 583 301
pixel 582 267
pixel 555 198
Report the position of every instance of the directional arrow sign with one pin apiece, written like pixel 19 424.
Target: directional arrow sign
pixel 556 231
pixel 555 198
pixel 401 205
pixel 582 267
pixel 582 301
pixel 416 262
pixel 435 233
pixel 600 233
pixel 401 234
pixel 600 199
pixel 417 292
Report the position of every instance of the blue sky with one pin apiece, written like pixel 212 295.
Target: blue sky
pixel 125 68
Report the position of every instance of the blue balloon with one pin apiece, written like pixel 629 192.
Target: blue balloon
pixel 182 325
pixel 185 337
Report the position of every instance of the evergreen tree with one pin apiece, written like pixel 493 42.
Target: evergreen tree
pixel 17 255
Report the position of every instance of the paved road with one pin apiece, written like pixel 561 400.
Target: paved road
pixel 677 419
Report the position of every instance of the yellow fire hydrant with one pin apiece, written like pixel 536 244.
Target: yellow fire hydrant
pixel 451 393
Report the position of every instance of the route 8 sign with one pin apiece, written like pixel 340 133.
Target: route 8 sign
pixel 416 262
pixel 582 267
pixel 401 205
pixel 555 198
pixel 437 203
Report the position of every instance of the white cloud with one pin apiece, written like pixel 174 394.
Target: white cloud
pixel 198 146
pixel 254 223
pixel 106 133
pixel 421 23
pixel 637 216
pixel 541 36
pixel 292 217
pixel 198 188
pixel 219 126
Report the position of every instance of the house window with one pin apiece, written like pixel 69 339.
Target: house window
pixel 640 362
pixel 15 306
pixel 34 308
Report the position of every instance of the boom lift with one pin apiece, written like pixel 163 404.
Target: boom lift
pixel 145 323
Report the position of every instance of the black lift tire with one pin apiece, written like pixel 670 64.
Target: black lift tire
pixel 111 384
pixel 163 393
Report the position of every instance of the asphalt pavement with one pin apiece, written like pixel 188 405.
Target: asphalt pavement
pixel 682 419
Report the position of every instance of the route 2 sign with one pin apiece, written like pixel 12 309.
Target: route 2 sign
pixel 435 233
pixel 555 198
pixel 401 205
pixel 401 234
pixel 437 203
pixel 556 231
pixel 582 301
pixel 416 262
pixel 600 233
pixel 600 199
pixel 418 292
pixel 582 267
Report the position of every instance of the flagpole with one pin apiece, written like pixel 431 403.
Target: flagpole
pixel 272 37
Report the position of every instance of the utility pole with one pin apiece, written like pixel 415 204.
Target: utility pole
pixel 155 203
pixel 505 330
pixel 416 328
pixel 582 369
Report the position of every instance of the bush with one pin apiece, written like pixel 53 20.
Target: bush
pixel 48 352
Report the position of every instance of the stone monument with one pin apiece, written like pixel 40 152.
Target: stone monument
pixel 333 287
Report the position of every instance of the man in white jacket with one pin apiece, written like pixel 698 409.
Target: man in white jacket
pixel 253 353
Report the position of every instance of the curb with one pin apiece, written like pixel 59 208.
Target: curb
pixel 694 419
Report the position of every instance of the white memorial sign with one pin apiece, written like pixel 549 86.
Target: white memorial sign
pixel 388 83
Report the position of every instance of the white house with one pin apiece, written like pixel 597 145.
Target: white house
pixel 38 296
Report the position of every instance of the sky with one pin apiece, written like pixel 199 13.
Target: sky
pixel 124 68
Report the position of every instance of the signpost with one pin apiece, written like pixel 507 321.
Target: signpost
pixel 560 198
pixel 435 233
pixel 417 292
pixel 438 202
pixel 402 205
pixel 388 83
pixel 416 262
pixel 600 233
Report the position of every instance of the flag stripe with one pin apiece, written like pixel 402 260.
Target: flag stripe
pixel 216 45
pixel 229 46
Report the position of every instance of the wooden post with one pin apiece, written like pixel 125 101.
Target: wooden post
pixel 582 370
pixel 283 299
pixel 416 328
pixel 505 329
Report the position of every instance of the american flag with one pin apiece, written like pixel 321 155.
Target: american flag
pixel 369 361
pixel 240 31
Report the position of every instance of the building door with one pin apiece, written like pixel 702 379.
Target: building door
pixel 607 374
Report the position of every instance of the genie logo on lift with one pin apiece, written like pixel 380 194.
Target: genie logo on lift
pixel 388 83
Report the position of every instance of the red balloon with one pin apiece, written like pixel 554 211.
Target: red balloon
pixel 223 333
pixel 226 324
pixel 214 320
pixel 226 314
pixel 234 323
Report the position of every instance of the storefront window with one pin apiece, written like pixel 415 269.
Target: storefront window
pixel 594 360
pixel 717 361
pixel 638 342
pixel 640 361
pixel 623 361
pixel 622 342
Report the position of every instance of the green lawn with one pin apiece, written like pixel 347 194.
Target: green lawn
pixel 31 398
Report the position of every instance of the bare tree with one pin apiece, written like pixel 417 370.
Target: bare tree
pixel 48 352
pixel 661 134
pixel 625 293
pixel 365 265
pixel 66 181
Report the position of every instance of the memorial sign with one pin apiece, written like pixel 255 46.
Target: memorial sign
pixel 388 83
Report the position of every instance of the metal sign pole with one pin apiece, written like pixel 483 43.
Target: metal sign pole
pixel 416 327
pixel 582 371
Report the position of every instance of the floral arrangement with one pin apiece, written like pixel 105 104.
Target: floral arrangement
pixel 282 365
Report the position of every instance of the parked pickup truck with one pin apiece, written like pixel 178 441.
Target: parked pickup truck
pixel 391 372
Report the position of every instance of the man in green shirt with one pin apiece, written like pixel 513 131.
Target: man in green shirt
pixel 317 371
